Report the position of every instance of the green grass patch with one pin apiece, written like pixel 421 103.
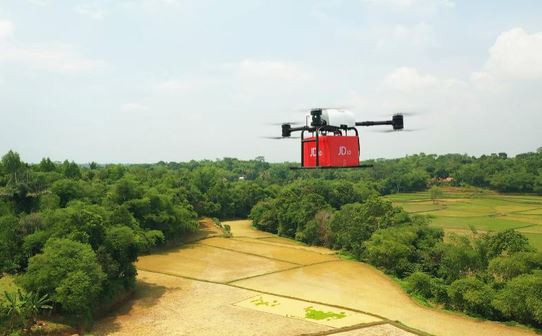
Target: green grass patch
pixel 313 314
pixel 346 255
pixel 261 302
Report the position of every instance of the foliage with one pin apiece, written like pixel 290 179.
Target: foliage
pixel 20 310
pixel 69 273
pixel 521 299
pixel 403 249
pixel 227 231
pixel 458 258
pixel 354 223
pixel 471 295
pixel 435 193
pixel 505 268
pixel 420 283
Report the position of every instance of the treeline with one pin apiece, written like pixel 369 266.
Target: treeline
pixel 495 275
pixel 519 174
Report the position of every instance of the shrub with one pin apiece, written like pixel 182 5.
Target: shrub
pixel 472 296
pixel 508 267
pixel 521 299
pixel 68 272
pixel 227 231
pixel 420 283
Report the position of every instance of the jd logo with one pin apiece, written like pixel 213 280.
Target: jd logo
pixel 313 152
pixel 344 151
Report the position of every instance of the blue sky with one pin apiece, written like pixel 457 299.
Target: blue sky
pixel 175 80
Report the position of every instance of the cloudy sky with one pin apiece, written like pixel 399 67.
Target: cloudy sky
pixel 175 80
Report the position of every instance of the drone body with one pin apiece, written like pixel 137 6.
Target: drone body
pixel 331 140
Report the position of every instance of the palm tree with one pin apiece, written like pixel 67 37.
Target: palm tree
pixel 35 304
pixel 15 310
pixel 23 308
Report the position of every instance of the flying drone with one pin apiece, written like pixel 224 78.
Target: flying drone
pixel 331 139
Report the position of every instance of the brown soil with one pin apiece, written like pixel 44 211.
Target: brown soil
pixel 209 263
pixel 288 253
pixel 169 305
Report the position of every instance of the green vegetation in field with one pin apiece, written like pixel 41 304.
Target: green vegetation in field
pixel 261 302
pixel 313 314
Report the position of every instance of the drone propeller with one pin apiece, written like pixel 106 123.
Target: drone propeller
pixel 279 137
pixel 398 131
pixel 293 123
pixel 306 110
pixel 404 113
pixel 411 114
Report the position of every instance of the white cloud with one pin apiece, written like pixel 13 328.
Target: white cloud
pixel 134 107
pixel 406 78
pixel 271 70
pixel 515 55
pixel 90 10
pixel 54 58
pixel 6 28
pixel 500 98
pixel 400 36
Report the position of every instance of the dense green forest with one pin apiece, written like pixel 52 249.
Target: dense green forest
pixel 69 233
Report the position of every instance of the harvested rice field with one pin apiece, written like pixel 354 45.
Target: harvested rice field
pixel 259 284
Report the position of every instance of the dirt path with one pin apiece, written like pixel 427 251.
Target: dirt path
pixel 259 284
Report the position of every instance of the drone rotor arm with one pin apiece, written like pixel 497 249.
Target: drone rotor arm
pixel 287 129
pixel 396 122
pixel 374 123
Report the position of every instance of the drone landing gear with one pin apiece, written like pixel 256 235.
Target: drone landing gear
pixel 332 167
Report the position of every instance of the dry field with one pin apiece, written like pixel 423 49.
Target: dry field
pixel 260 284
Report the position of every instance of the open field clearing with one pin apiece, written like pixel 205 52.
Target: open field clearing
pixel 220 286
pixel 273 251
pixel 209 263
pixel 169 305
pixel 459 210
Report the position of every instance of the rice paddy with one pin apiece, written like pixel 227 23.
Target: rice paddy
pixel 461 210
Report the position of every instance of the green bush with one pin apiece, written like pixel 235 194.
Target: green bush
pixel 521 299
pixel 472 296
pixel 421 284
pixel 227 231
pixel 69 273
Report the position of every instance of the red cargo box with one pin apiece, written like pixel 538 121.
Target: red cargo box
pixel 335 151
